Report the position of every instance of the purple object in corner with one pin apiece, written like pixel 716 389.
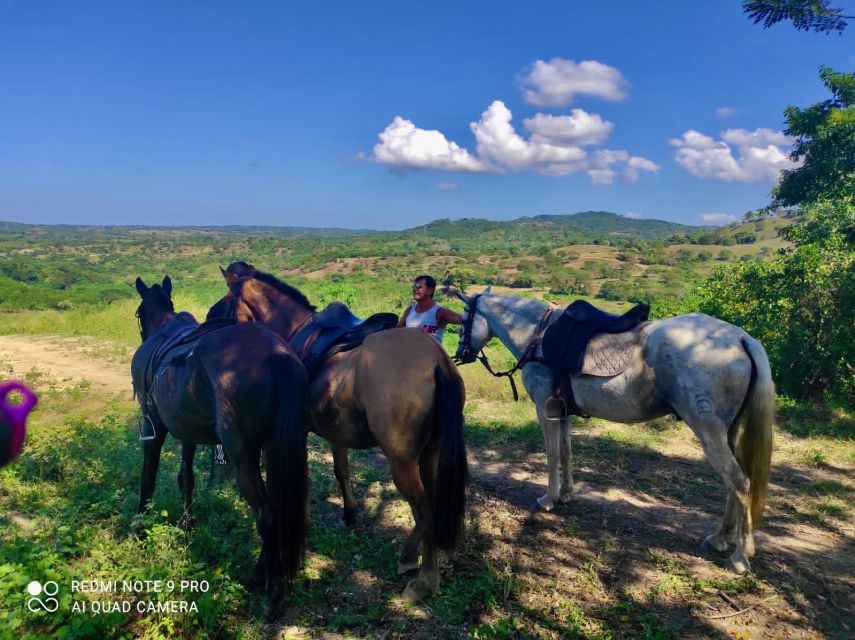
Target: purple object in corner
pixel 13 419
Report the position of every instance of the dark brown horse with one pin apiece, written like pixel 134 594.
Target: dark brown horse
pixel 242 386
pixel 399 391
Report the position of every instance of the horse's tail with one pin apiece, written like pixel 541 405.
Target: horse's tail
pixel 452 472
pixel 287 465
pixel 754 450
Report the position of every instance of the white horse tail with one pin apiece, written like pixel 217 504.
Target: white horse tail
pixel 754 450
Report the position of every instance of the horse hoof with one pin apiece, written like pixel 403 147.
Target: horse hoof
pixel 418 589
pixel 564 498
pixel 349 517
pixel 712 543
pixel 738 565
pixel 539 506
pixel 407 567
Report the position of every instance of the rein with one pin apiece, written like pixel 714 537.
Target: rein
pixel 527 356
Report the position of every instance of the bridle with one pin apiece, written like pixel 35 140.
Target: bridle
pixel 468 355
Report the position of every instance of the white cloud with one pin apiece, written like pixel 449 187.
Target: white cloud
pixel 579 128
pixel 718 218
pixel 762 154
pixel 743 138
pixel 724 112
pixel 447 186
pixel 497 142
pixel 643 164
pixel 557 82
pixel 554 147
pixel 633 214
pixel 603 164
pixel 405 146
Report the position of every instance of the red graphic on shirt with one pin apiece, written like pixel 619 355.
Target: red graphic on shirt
pixel 429 328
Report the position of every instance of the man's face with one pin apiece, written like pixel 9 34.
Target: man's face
pixel 421 291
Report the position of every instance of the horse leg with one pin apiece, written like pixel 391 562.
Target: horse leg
pixel 409 482
pixel 726 533
pixel 186 481
pixel 341 465
pixel 409 560
pixel 151 462
pixel 269 567
pixel 552 439
pixel 712 432
pixel 566 458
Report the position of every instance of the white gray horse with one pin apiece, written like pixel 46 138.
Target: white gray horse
pixel 710 373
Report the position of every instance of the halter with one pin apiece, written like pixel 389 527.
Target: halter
pixel 468 355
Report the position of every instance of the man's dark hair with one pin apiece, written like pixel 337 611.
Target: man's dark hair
pixel 430 283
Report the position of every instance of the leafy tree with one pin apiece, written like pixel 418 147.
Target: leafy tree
pixel 801 304
pixel 825 141
pixel 806 15
pixel 460 277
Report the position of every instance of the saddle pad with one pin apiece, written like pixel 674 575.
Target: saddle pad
pixel 609 354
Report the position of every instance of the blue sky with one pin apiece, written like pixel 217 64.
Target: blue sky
pixel 196 113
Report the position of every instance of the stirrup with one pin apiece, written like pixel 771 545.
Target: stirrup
pixel 555 408
pixel 146 428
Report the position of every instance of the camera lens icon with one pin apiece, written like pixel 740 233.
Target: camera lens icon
pixel 49 589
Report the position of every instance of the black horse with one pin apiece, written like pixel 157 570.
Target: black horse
pixel 239 385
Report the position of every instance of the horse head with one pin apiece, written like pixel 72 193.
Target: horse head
pixel 475 331
pixel 256 296
pixel 155 307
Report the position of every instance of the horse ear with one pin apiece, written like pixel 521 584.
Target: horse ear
pixel 460 295
pixel 230 278
pixel 167 285
pixel 141 288
pixel 487 291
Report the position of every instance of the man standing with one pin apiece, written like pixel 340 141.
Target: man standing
pixel 424 313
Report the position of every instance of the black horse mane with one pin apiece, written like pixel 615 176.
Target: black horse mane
pixel 285 289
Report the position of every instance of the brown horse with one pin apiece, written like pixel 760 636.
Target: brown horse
pixel 399 391
pixel 242 386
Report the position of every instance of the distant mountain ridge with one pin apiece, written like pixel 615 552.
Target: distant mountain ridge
pixel 586 223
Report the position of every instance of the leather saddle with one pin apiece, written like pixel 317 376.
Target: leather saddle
pixel 172 348
pixel 586 340
pixel 178 347
pixel 335 329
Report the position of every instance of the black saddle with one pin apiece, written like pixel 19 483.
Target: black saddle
pixel 566 340
pixel 333 330
pixel 584 312
pixel 179 346
pixel 171 346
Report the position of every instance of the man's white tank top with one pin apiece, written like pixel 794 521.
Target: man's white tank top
pixel 426 321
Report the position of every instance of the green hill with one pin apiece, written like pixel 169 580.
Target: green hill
pixel 593 253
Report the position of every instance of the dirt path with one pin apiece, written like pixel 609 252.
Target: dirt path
pixel 67 360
